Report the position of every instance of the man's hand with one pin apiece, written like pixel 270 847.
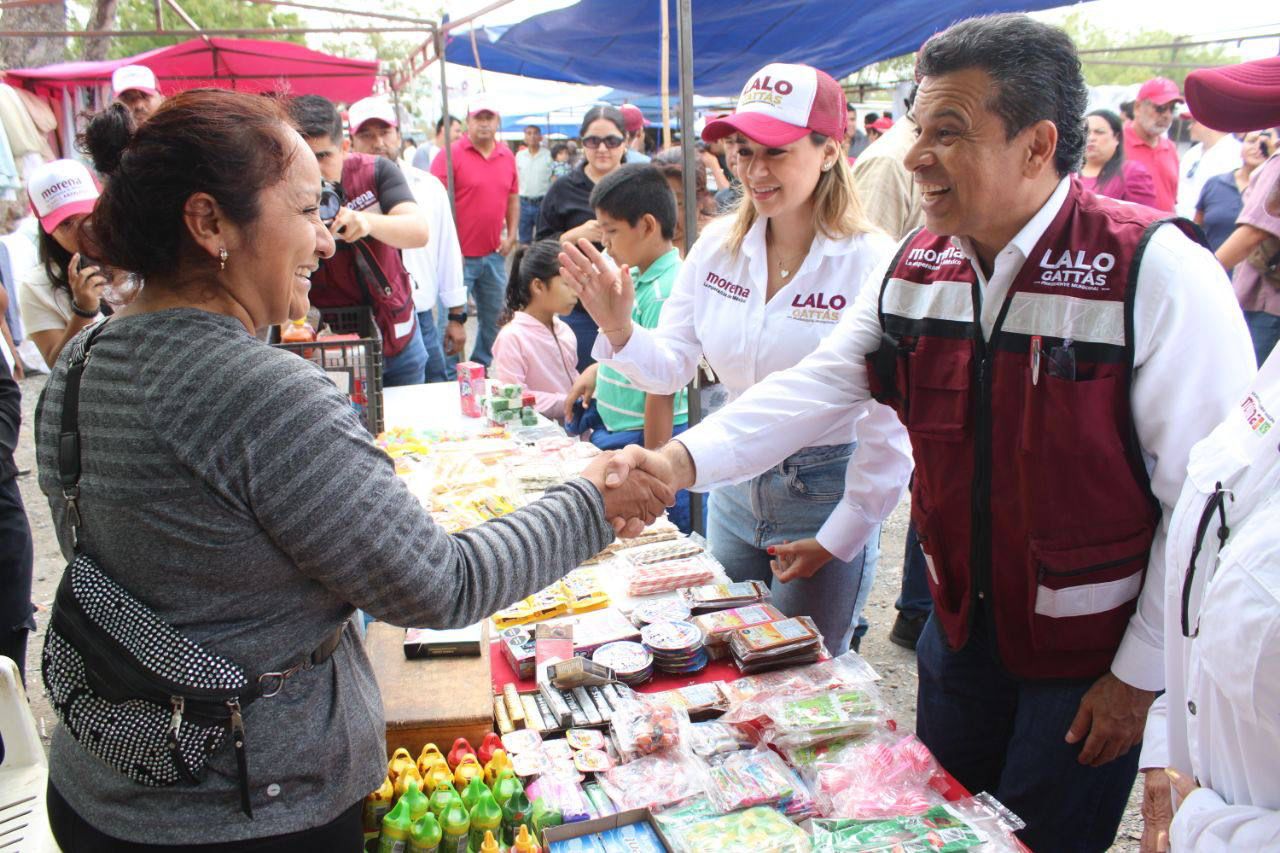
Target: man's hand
pixel 455 338
pixel 584 388
pixel 800 559
pixel 633 495
pixel 683 471
pixel 350 225
pixel 508 243
pixel 1157 811
pixel 1113 715
pixel 606 293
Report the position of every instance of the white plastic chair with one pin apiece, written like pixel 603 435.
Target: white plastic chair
pixel 24 823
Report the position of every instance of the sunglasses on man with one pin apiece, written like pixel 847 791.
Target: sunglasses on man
pixel 611 142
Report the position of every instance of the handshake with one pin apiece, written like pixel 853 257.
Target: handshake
pixel 638 485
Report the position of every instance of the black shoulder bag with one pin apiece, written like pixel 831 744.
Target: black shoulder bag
pixel 128 686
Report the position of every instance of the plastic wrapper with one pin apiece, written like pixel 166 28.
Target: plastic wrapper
pixel 748 695
pixel 693 827
pixel 718 738
pixel 645 725
pixel 886 776
pixel 652 781
pixel 668 575
pixel 755 777
pixel 978 823
pixel 565 797
pixel 817 717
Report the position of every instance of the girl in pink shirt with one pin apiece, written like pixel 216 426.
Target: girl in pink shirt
pixel 536 348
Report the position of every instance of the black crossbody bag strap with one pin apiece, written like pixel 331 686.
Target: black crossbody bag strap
pixel 69 434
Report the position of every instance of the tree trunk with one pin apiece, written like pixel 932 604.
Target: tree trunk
pixel 101 17
pixel 31 52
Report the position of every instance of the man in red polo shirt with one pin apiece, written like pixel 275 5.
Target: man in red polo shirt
pixel 1145 140
pixel 486 191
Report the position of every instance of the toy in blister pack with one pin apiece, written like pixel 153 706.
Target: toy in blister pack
pixel 886 776
pixel 975 823
pixel 644 725
pixel 651 781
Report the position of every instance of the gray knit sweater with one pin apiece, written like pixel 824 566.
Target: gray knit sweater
pixel 230 487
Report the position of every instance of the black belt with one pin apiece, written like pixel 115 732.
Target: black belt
pixel 271 683
pixel 532 199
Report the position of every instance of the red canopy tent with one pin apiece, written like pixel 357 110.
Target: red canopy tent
pixel 248 65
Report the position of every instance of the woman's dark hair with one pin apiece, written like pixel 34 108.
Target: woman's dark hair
pixel 1112 168
pixel 631 191
pixel 105 137
pixel 1034 67
pixel 540 260
pixel 55 261
pixel 608 113
pixel 230 145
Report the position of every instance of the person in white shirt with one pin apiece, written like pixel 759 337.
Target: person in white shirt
pixel 1214 153
pixel 1215 733
pixel 758 291
pixel 1039 689
pixel 436 268
pixel 533 167
pixel 426 153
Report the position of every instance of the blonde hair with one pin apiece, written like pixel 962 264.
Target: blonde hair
pixel 837 210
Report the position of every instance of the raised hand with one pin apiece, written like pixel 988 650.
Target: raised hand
pixel 607 293
pixel 633 496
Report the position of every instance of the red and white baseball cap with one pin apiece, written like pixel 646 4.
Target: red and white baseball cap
pixel 59 189
pixel 366 109
pixel 633 118
pixel 482 104
pixel 783 102
pixel 1237 98
pixel 1159 91
pixel 138 77
pixel 882 124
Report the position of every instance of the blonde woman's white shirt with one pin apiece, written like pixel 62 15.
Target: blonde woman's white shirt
pixel 718 310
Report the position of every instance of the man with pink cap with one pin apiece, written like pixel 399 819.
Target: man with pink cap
pixel 636 123
pixel 1145 140
pixel 135 86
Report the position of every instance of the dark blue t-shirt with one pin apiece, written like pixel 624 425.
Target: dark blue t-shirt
pixel 1221 203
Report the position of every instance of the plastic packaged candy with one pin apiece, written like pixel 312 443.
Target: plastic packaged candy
pixel 566 798
pixel 760 830
pixel 584 739
pixel 592 760
pixel 631 662
pixel 655 573
pixel 659 610
pixel 886 776
pixel 717 738
pixel 651 781
pixel 975 823
pixel 748 695
pixel 676 647
pixel 521 740
pixel 753 777
pixel 806 720
pixel 643 725
pixel 601 805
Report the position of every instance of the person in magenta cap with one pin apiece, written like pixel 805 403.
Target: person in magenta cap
pixel 486 191
pixel 1214 736
pixel 1145 139
pixel 879 127
pixel 635 123
pixel 135 86
pixel 60 295
pixel 761 288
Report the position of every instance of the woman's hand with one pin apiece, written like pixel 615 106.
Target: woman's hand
pixel 632 483
pixel 798 559
pixel 583 389
pixel 606 293
pixel 86 285
pixel 589 231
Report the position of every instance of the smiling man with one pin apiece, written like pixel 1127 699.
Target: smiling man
pixel 1053 355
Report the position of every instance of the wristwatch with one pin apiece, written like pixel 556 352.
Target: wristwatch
pixel 458 317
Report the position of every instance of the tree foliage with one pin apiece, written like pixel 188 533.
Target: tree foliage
pixel 1155 62
pixel 139 15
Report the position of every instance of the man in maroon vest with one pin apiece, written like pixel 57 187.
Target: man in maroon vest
pixel 1054 355
pixel 377 219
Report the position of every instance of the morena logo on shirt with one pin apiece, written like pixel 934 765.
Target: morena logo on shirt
pixel 1075 269
pixel 817 308
pixel 1256 416
pixel 932 259
pixel 365 199
pixel 726 288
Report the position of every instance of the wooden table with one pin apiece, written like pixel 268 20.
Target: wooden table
pixel 435 700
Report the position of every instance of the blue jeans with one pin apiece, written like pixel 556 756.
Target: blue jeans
pixel 529 208
pixel 435 370
pixel 408 366
pixel 995 733
pixel 1264 328
pixel 602 438
pixel 914 598
pixel 486 280
pixel 791 501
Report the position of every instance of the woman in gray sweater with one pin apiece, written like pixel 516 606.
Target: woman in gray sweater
pixel 231 488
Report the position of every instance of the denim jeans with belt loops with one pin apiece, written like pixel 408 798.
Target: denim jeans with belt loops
pixel 791 501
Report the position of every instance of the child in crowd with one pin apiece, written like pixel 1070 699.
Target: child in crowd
pixel 637 214
pixel 536 348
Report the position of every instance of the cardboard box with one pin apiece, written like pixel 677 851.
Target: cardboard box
pixel 553 834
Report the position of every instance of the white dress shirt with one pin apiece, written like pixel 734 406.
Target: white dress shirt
pixel 436 268
pixel 1192 356
pixel 718 309
pixel 1219 721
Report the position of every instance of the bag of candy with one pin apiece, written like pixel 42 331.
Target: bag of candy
pixel 747 696
pixel 886 776
pixel 645 725
pixel 693 827
pixel 978 823
pixel 717 738
pixel 750 777
pixel 807 719
pixel 652 781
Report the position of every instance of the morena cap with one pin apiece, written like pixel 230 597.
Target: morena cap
pixel 138 77
pixel 1237 98
pixel 633 118
pixel 370 108
pixel 59 189
pixel 783 102
pixel 1159 91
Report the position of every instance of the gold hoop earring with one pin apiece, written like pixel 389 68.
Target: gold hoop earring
pixel 222 258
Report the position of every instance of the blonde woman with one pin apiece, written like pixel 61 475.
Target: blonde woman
pixel 758 292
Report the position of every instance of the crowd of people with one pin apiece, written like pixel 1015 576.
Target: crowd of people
pixel 1044 322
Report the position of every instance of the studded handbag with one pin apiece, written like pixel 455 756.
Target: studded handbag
pixel 128 686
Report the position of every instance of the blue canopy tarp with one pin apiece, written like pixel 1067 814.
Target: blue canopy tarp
pixel 612 43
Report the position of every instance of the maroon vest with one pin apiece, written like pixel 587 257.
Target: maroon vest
pixel 369 273
pixel 1030 494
